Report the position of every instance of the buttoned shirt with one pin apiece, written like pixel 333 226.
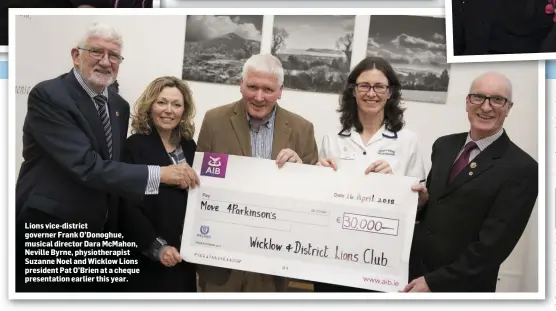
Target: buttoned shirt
pixel 262 138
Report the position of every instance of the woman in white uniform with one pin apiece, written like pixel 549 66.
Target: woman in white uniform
pixel 371 136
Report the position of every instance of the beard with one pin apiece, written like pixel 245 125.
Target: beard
pixel 103 82
pixel 96 80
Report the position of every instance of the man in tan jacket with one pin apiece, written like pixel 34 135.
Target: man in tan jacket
pixel 255 126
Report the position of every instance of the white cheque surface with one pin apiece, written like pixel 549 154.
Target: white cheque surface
pixel 301 221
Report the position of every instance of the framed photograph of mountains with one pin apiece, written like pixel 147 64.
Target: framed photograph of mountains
pixel 315 51
pixel 416 47
pixel 216 46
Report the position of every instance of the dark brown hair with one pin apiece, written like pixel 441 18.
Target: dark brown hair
pixel 393 113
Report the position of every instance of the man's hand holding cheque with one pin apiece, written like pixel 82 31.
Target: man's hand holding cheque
pixel 287 155
pixel 179 174
pixel 423 194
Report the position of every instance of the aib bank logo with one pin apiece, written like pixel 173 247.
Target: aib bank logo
pixel 214 165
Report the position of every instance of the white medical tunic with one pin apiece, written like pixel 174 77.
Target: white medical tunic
pixel 400 150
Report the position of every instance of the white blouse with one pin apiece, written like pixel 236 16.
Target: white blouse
pixel 400 150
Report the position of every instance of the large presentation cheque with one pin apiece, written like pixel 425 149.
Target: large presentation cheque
pixel 301 221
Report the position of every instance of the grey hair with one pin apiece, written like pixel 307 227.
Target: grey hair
pixel 494 75
pixel 264 63
pixel 103 31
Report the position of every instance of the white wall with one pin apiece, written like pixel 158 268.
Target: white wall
pixel 153 46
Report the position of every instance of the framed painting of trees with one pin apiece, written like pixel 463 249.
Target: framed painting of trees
pixel 416 48
pixel 315 51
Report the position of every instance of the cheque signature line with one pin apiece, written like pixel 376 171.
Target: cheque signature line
pixel 279 209
pixel 240 224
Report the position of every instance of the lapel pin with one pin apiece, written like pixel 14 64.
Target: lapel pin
pixel 473 165
pixel 470 173
pixel 117 113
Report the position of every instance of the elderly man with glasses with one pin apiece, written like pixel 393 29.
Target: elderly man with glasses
pixel 479 195
pixel 71 177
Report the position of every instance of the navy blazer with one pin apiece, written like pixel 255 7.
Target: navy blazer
pixel 162 215
pixel 483 27
pixel 66 171
pixel 471 225
pixel 143 220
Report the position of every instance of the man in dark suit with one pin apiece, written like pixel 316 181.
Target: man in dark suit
pixel 502 27
pixel 72 136
pixel 479 195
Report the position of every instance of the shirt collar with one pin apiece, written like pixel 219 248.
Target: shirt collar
pixel 87 89
pixel 383 131
pixel 268 121
pixel 485 142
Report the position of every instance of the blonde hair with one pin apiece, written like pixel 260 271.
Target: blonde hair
pixel 142 121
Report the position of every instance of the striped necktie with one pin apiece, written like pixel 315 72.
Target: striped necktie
pixel 101 101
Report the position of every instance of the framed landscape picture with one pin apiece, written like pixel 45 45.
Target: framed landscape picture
pixel 315 51
pixel 217 46
pixel 416 47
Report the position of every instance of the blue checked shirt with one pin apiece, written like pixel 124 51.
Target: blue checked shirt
pixel 261 139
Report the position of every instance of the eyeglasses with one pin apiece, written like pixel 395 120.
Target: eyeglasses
pixel 496 101
pixel 97 53
pixel 366 87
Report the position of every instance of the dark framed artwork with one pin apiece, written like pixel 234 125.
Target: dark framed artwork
pixel 216 46
pixel 315 51
pixel 415 46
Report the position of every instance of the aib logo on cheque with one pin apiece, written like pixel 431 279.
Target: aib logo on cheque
pixel 204 232
pixel 214 165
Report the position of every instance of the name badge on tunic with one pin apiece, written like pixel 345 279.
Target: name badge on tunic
pixel 348 155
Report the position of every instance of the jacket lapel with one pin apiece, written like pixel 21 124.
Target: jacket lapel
pixel 113 109
pixel 89 111
pixel 155 152
pixel 241 128
pixel 480 164
pixel 447 156
pixel 282 133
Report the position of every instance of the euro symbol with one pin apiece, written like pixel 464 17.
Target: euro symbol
pixel 338 219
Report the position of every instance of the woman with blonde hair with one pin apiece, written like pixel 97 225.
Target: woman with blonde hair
pixel 162 134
